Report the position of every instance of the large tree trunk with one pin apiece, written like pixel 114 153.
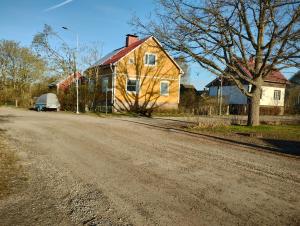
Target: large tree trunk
pixel 253 111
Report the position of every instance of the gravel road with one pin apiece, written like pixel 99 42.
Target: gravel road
pixel 86 170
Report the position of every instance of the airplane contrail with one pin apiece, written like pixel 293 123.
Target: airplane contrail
pixel 58 5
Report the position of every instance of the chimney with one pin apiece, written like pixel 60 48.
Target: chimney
pixel 130 39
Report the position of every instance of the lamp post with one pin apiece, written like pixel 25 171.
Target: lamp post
pixel 76 77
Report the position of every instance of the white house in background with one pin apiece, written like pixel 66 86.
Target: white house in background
pixel 272 96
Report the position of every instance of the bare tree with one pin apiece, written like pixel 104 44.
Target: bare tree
pixel 20 70
pixel 61 58
pixel 91 55
pixel 222 35
pixel 64 61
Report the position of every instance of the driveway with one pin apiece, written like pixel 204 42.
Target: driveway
pixel 113 171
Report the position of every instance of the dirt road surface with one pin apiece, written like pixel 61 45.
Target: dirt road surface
pixel 85 170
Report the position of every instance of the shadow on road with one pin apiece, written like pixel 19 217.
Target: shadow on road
pixel 278 146
pixel 285 146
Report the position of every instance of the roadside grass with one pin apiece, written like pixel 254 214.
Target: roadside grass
pixel 171 114
pixel 114 114
pixel 279 132
pixel 10 171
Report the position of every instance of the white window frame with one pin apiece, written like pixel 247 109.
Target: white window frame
pixel 103 89
pixel 137 85
pixel 146 63
pixel 166 94
pixel 277 91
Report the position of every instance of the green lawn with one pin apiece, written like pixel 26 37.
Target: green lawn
pixel 280 132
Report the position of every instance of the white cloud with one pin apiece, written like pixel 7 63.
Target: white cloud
pixel 58 5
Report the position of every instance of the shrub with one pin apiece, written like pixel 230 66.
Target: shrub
pixel 206 122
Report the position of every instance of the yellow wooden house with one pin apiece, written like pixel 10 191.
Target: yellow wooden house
pixel 141 75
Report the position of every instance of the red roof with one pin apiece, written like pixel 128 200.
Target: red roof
pixel 123 52
pixel 273 76
pixel 117 54
pixel 66 83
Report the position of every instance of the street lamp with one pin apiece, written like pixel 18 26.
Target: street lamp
pixel 76 77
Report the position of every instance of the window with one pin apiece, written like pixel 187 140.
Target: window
pixel 150 59
pixel 164 88
pixel 104 84
pixel 132 85
pixel 277 94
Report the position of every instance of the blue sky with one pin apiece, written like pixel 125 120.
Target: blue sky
pixel 94 20
pixel 102 21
